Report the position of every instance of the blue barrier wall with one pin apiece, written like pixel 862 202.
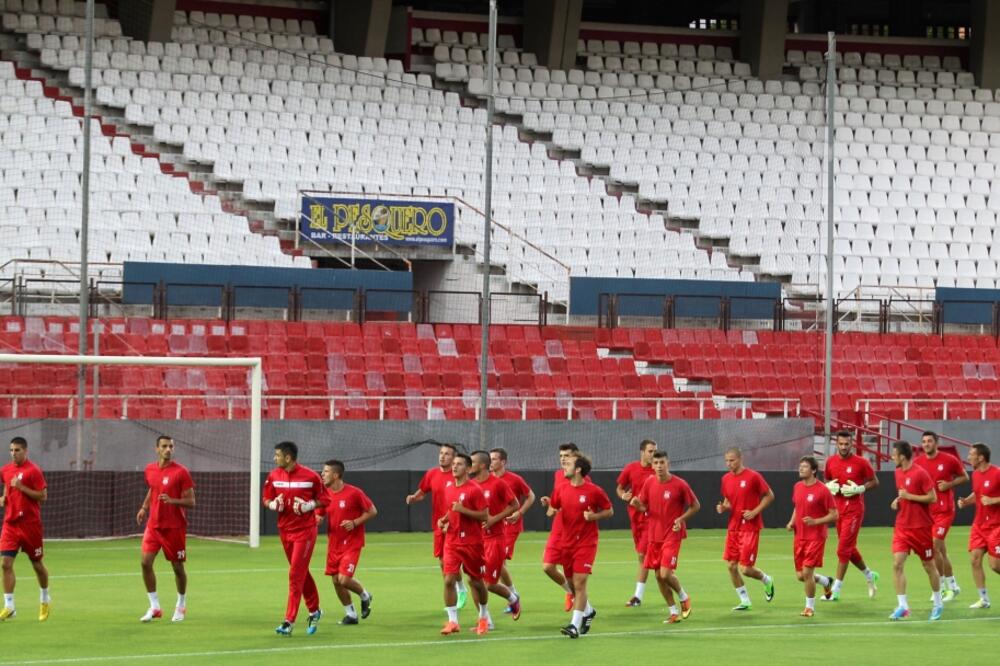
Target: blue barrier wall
pixel 257 286
pixel 955 311
pixel 698 298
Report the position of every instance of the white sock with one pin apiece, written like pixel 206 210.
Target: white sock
pixel 674 610
pixel 566 587
pixel 484 612
pixel 952 583
pixel 682 595
pixel 811 603
pixel 181 600
pixel 577 619
pixel 765 579
pixel 937 597
pixel 837 584
pixel 983 595
pixel 588 609
pixel 43 595
pixel 349 610
pixel 640 589
pixel 822 580
pixel 513 590
pixel 154 600
pixel 452 613
pixel 901 601
pixel 460 587
pixel 365 596
pixel 8 601
pixel 868 574
pixel 744 595
pixel 512 599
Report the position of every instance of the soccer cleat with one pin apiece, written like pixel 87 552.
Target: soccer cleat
pixel 450 628
pixel 43 611
pixel 673 619
pixel 349 619
pixel 769 590
pixel 568 606
pixel 587 621
pixel 936 612
pixel 312 622
pixel 507 610
pixel 463 596
pixel 366 606
pixel 900 613
pixel 515 610
pixel 743 606
pixel 834 595
pixel 180 612
pixel 873 585
pixel 482 627
pixel 7 614
pixel 151 614
pixel 807 612
pixel 948 595
pixel 284 629
pixel 980 604
pixel 686 608
pixel 570 630
pixel 828 591
pixel 634 602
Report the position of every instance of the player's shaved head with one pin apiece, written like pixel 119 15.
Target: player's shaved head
pixel 845 434
pixel 734 451
pixel 19 441
pixel 289 449
pixel 163 438
pixel 481 458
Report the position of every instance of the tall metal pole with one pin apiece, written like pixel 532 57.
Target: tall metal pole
pixel 831 82
pixel 81 389
pixel 487 228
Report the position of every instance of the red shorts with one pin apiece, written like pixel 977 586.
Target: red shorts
pixel 919 541
pixel 979 539
pixel 640 535
pixel 808 553
pixel 171 540
pixel 848 529
pixel 494 552
pixel 24 537
pixel 342 562
pixel 510 540
pixel 662 554
pixel 438 544
pixel 553 550
pixel 741 546
pixel 942 523
pixel 467 557
pixel 579 559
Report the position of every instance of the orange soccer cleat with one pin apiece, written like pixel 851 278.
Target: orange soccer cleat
pixel 686 608
pixel 450 628
pixel 569 602
pixel 482 627
pixel 807 612
pixel 673 619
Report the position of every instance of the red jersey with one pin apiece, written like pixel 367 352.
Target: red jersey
pixel 174 480
pixel 498 497
pixel 633 478
pixel 986 484
pixel 572 501
pixel 20 508
pixel 348 503
pixel 665 502
pixel 463 530
pixel 852 468
pixel 520 489
pixel 744 491
pixel 434 483
pixel 910 514
pixel 942 467
pixel 300 482
pixel 814 501
pixel 559 481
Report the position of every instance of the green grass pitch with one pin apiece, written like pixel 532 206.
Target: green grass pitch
pixel 236 597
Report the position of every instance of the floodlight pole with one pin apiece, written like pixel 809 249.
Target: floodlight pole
pixel 487 228
pixel 81 371
pixel 831 82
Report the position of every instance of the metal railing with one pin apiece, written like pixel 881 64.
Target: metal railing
pixel 865 405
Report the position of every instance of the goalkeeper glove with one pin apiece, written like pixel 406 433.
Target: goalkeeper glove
pixel 852 489
pixel 277 504
pixel 833 486
pixel 301 506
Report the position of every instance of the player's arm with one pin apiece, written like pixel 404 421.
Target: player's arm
pixel 968 500
pixel 692 508
pixel 956 480
pixel 550 509
pixel 872 483
pixel 36 495
pixel 271 500
pixel 415 497
pixel 591 516
pixel 830 517
pixel 637 504
pixel 476 514
pixel 144 508
pixel 765 501
pixel 529 500
pixel 723 505
pixel 929 498
pixel 624 493
pixel 367 515
pixel 506 513
pixel 791 522
pixel 186 499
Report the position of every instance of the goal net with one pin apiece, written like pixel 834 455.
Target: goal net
pixel 211 407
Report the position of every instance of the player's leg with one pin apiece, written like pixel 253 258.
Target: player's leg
pixel 550 565
pixel 151 545
pixel 899 582
pixel 663 579
pixel 749 544
pixel 180 581
pixel 669 557
pixel 9 581
pixel 979 576
pixel 949 587
pixel 42 574
pixel 807 576
pixel 934 577
pixel 344 584
pixel 639 539
pixel 451 568
pixel 481 597
pixel 583 612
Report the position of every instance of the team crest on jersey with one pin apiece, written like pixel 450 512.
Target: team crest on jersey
pixel 849 470
pixel 809 497
pixel 343 504
pixel 743 484
pixel 907 482
pixel 583 498
pixel 940 468
pixel 447 484
pixel 986 484
pixel 461 497
pixel 666 494
pixel 487 494
pixel 165 480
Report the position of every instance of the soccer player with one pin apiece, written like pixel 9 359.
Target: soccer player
pixel 23 492
pixel 630 482
pixel 346 509
pixel 293 492
pixel 668 502
pixel 500 502
pixel 515 521
pixel 166 528
pixel 984 536
pixel 463 544
pixel 434 483
pixel 813 509
pixel 946 471
pixel 913 528
pixel 552 555
pixel 745 494
pixel 580 504
pixel 849 476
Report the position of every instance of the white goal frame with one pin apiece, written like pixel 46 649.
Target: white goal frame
pixel 256 368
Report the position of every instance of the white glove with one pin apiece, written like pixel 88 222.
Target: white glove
pixel 833 486
pixel 300 506
pixel 277 504
pixel 852 489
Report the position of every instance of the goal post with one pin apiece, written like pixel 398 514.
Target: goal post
pixel 256 387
